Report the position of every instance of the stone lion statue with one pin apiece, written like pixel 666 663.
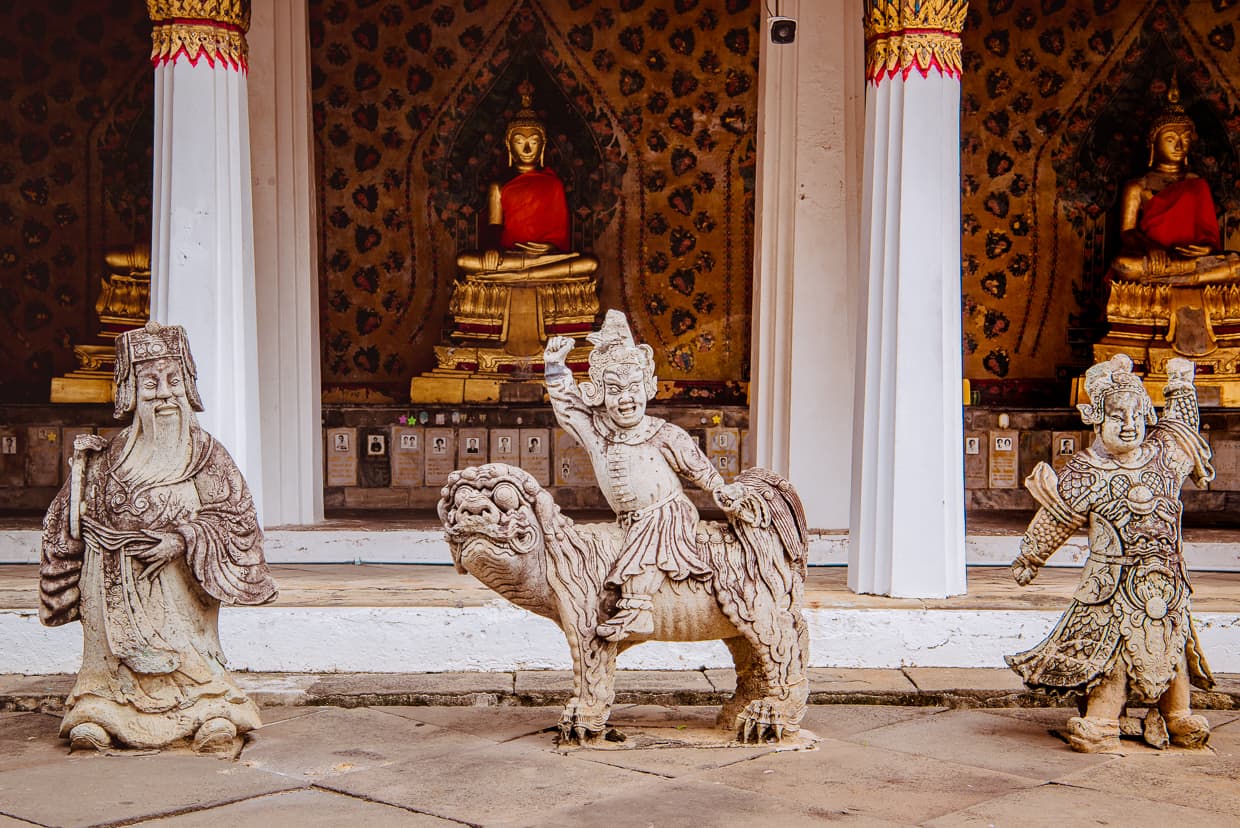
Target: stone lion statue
pixel 506 530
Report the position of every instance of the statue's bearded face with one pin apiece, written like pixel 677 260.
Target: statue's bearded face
pixel 624 394
pixel 1173 143
pixel 526 145
pixel 159 446
pixel 1123 427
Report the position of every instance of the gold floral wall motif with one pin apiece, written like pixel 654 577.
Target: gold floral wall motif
pixel 665 93
pixel 1055 99
pixel 76 93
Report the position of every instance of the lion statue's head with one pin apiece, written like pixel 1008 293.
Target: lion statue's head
pixel 496 519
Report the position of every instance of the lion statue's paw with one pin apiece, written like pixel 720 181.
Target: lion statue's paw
pixel 581 723
pixel 764 719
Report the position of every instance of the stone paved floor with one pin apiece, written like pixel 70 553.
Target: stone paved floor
pixel 424 766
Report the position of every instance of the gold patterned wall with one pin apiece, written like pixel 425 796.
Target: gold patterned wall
pixel 1056 97
pixel 651 110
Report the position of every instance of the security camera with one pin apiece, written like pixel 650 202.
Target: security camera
pixel 783 30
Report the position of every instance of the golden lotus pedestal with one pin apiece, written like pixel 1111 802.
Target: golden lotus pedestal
pixel 1143 325
pixel 495 340
pixel 124 303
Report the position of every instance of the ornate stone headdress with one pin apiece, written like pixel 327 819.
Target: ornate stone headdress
pixel 1110 377
pixel 526 118
pixel 613 345
pixel 150 342
pixel 1173 115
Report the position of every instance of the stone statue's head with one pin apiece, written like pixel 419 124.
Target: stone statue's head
pixel 526 137
pixel 621 373
pixel 1119 407
pixel 1173 133
pixel 146 344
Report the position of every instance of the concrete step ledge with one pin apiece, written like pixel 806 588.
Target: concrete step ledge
pixel 911 686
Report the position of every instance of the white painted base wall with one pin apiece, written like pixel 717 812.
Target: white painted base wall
pixel 501 637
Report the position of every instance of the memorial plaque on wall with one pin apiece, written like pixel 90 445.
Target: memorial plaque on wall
pixel 374 460
pixel 506 446
pixel 1004 465
pixel 341 455
pixel 723 447
pixel 67 435
pixel 976 472
pixel 471 447
pixel 440 455
pixel 109 432
pixel 1064 446
pixel 407 459
pixel 43 456
pixel 12 459
pixel 535 448
pixel 571 463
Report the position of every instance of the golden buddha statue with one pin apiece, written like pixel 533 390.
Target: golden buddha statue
pixel 1174 291
pixel 525 284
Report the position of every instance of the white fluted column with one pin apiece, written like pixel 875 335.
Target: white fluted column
pixel 202 246
pixel 285 257
pixel 807 253
pixel 907 526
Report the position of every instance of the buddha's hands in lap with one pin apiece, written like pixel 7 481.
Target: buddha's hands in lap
pixel 536 248
pixel 1191 251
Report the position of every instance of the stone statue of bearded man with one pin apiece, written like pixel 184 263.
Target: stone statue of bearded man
pixel 152 532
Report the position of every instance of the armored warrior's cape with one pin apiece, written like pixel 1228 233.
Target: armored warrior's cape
pixel 1131 607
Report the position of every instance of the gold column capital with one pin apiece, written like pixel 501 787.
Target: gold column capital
pixel 197 29
pixel 903 35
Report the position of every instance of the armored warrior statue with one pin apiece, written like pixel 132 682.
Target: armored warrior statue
pixel 639 461
pixel 1128 631
pixel 153 530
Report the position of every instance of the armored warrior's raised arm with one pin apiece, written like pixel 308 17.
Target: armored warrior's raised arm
pixel 1181 393
pixel 689 461
pixel 571 411
pixel 1055 522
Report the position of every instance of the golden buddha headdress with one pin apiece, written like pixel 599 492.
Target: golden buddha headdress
pixel 614 345
pixel 150 342
pixel 1173 115
pixel 526 118
pixel 1112 377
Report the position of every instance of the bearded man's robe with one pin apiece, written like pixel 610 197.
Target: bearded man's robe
pixel 152 668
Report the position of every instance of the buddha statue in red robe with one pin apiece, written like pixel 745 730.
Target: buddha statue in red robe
pixel 528 214
pixel 1170 234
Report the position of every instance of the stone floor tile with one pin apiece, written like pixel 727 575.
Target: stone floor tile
pixel 692 804
pixel 543 681
pixel 663 681
pixel 337 741
pixel 833 721
pixel 496 724
pixel 272 689
pixel 300 809
pixel 91 789
pixel 981 739
pixel 1066 805
pixel 412 684
pixel 284 712
pixel 857 680
pixel 1201 779
pixel 877 783
pixel 28 739
pixel 486 785
pixel 941 679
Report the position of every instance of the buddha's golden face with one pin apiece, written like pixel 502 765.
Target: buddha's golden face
pixel 525 145
pixel 1171 145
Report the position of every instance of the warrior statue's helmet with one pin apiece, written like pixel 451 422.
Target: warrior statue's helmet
pixel 1111 377
pixel 613 345
pixel 150 342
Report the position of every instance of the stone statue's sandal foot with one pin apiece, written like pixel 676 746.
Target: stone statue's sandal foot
pixel 215 736
pixel 1189 730
pixel 1087 735
pixel 89 736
